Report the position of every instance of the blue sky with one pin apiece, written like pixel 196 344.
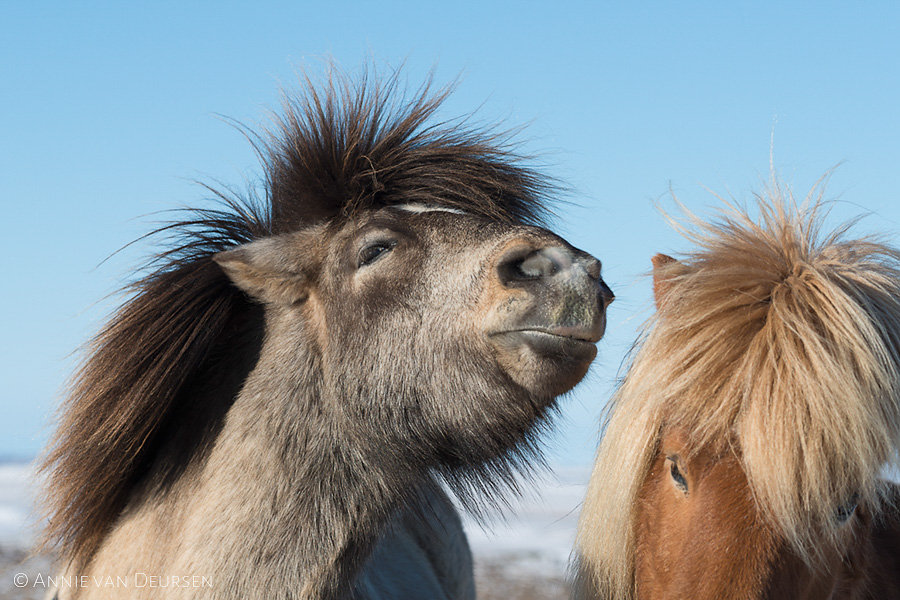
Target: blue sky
pixel 110 112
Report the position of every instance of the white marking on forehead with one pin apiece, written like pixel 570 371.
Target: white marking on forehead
pixel 424 208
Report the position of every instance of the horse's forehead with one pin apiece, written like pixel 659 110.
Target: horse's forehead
pixel 460 227
pixel 674 438
pixel 679 439
pixel 444 228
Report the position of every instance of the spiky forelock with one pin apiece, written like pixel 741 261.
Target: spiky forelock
pixel 345 146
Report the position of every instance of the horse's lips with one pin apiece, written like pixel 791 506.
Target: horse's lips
pixel 571 343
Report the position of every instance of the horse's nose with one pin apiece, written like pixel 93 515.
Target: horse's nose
pixel 520 265
pixel 523 263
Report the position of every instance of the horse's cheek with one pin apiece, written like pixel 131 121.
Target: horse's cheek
pixel 654 552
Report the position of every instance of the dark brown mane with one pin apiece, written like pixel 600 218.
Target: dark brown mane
pixel 143 385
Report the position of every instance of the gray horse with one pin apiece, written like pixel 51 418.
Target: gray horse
pixel 275 410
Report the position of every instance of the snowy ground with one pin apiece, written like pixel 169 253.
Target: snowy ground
pixel 524 555
pixel 15 503
pixel 521 556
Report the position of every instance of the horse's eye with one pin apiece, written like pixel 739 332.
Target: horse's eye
pixel 677 477
pixel 845 511
pixel 374 251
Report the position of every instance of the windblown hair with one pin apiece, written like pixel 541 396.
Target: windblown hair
pixel 340 148
pixel 777 339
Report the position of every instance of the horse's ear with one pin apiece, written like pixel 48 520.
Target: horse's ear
pixel 665 268
pixel 274 270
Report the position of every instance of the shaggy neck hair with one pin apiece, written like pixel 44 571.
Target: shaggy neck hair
pixel 156 383
pixel 777 338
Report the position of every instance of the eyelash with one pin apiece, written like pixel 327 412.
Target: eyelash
pixel 373 252
pixel 677 476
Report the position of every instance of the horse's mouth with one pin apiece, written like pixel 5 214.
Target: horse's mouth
pixel 569 342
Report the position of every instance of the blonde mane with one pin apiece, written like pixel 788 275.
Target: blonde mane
pixel 777 339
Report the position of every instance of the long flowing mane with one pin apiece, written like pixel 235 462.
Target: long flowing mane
pixel 777 337
pixel 145 394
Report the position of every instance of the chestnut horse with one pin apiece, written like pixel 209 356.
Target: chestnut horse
pixel 743 451
pixel 274 411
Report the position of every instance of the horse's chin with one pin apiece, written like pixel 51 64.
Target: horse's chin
pixel 545 361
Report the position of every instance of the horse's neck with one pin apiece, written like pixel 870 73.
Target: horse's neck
pixel 284 490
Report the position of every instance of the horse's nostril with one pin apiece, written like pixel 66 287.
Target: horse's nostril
pixel 524 263
pixel 535 266
pixel 513 265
